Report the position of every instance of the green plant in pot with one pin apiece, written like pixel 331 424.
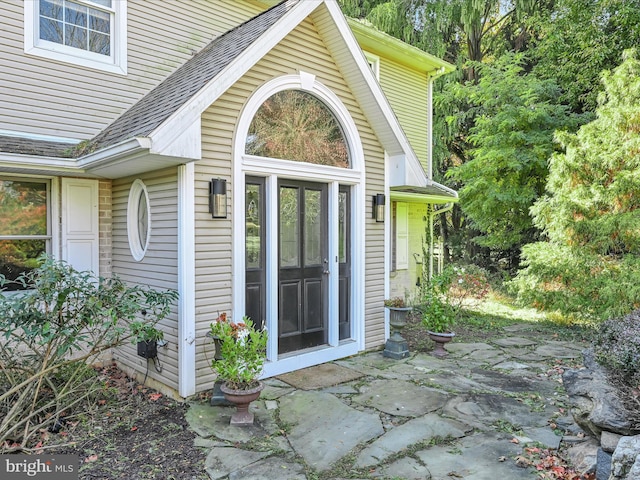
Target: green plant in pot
pixel 442 298
pixel 243 350
pixel 146 335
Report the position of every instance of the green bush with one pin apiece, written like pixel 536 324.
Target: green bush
pixel 617 347
pixel 50 332
pixel 577 282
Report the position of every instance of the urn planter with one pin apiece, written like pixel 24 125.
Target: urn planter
pixel 441 339
pixel 242 399
pixel 396 346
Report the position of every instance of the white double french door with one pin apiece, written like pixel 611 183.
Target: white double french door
pixel 311 303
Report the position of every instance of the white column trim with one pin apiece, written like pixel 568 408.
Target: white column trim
pixel 186 281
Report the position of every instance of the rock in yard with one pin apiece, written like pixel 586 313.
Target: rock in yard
pixel 625 463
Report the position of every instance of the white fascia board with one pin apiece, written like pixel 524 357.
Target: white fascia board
pixel 50 165
pixel 384 118
pixel 191 111
pixel 114 152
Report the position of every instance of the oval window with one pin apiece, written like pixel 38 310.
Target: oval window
pixel 138 220
pixel 295 125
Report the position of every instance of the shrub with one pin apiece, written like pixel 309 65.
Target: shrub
pixel 244 351
pixel 578 283
pixel 442 296
pixel 617 347
pixel 51 332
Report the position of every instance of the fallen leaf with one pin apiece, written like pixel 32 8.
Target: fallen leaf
pixel 155 396
pixel 514 440
pixel 502 459
pixel 522 462
pixel 91 458
pixel 134 428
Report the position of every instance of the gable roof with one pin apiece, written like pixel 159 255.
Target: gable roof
pixel 179 87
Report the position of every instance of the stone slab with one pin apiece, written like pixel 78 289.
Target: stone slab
pixel 405 468
pixel 482 410
pixel 468 348
pixel 476 457
pixel 558 350
pixel 324 429
pixel 511 366
pixel 422 429
pixel 221 461
pixel 272 467
pixel 545 436
pixel 402 398
pixel 514 342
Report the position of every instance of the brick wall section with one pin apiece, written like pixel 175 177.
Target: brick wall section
pixel 105 227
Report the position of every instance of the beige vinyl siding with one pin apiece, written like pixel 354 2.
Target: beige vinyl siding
pixel 46 97
pixel 406 90
pixel 159 267
pixel 301 50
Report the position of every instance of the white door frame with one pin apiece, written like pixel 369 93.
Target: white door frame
pixel 272 169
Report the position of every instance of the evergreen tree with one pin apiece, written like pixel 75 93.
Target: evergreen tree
pixel 590 263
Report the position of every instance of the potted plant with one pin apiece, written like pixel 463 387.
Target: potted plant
pixel 396 346
pixel 147 336
pixel 442 297
pixel 243 349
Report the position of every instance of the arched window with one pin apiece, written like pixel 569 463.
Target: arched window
pixel 296 125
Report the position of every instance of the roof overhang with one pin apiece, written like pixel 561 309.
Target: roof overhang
pixel 432 193
pixel 375 41
pixel 131 157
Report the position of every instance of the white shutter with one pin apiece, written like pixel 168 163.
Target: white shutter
pixel 80 234
pixel 402 236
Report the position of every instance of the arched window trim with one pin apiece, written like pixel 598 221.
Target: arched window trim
pixel 306 82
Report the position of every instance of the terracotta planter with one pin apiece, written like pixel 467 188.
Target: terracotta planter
pixel 241 399
pixel 441 339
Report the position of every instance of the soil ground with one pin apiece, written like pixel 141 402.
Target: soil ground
pixel 133 433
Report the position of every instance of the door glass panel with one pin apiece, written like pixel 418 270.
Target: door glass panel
pixel 342 227
pixel 253 226
pixel 313 228
pixel 289 227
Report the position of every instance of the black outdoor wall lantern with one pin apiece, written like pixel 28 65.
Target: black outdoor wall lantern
pixel 218 198
pixel 378 207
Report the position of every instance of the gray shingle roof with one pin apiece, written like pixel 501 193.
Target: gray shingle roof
pixel 29 146
pixel 159 104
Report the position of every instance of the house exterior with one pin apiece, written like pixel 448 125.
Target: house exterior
pixel 148 142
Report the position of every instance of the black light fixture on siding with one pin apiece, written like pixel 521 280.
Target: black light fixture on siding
pixel 378 207
pixel 218 198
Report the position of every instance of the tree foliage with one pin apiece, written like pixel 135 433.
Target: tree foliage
pixel 578 39
pixel 591 213
pixel 516 115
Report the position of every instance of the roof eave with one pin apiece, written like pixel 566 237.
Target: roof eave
pixel 379 42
